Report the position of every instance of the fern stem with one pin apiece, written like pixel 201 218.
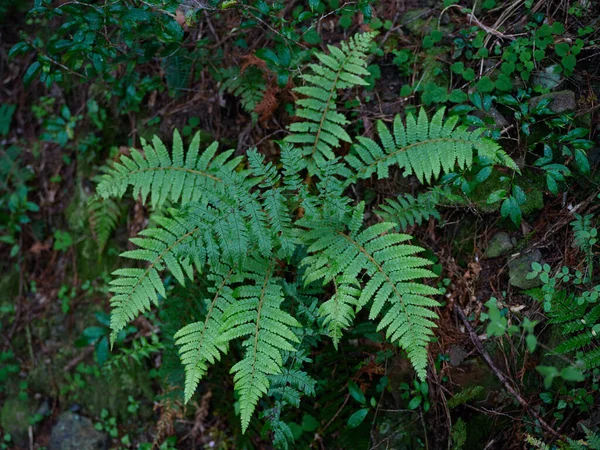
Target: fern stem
pixel 178 169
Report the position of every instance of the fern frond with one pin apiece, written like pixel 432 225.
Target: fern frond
pixel 140 349
pixel 257 315
pixel 136 289
pixel 338 311
pixel 103 217
pixel 591 358
pixel 593 439
pixel 199 341
pixel 392 270
pixel 322 128
pixel 407 210
pixel 291 384
pixel 164 176
pixel 575 343
pixel 249 86
pixel 464 396
pixel 423 147
pixel 274 201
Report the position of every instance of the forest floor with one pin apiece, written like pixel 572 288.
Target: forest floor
pixel 58 376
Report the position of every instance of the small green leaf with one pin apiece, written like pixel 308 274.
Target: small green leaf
pixel 309 423
pixel 356 393
pixel 562 48
pixel 496 196
pixel 415 402
pixel 458 67
pixel 469 74
pixel 358 417
pixel 31 73
pixel 485 84
pixel 571 374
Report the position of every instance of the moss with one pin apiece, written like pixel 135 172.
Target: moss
pixel 14 419
pixel 111 392
pixel 533 186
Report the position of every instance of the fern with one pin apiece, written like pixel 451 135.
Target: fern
pixel 136 289
pixel 424 148
pixel 140 349
pixel 392 288
pixel 162 176
pixel 464 396
pixel 338 311
pixel 322 128
pixel 103 217
pixel 274 248
pixel 592 441
pixel 407 210
pixel 257 315
pixel 198 341
pixel 249 86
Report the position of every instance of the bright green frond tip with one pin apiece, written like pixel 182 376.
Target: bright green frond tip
pixel 178 177
pixel 424 147
pixel 322 128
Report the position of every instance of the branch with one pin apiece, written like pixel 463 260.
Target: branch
pixel 481 349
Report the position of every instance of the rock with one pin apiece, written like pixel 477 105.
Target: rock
pixel 14 419
pixel 500 121
pixel 548 77
pixel 457 355
pixel 415 21
pixel 75 432
pixel 519 267
pixel 499 245
pixel 560 101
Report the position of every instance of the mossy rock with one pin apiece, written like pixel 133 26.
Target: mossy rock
pixel 417 21
pixel 520 267
pixel 533 187
pixel 74 432
pixel 111 392
pixel 500 244
pixel 14 419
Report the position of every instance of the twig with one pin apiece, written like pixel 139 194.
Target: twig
pixel 337 413
pixel 481 349
pixel 475 20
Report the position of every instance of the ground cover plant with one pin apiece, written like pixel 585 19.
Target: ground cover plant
pixel 299 224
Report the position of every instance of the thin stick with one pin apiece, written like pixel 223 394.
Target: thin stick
pixel 481 349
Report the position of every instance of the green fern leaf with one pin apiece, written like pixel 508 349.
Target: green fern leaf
pixel 323 128
pixel 249 86
pixel 338 311
pixel 575 343
pixel 103 217
pixel 424 148
pixel 257 315
pixel 407 210
pixel 392 288
pixel 156 174
pixel 199 341
pixel 136 289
